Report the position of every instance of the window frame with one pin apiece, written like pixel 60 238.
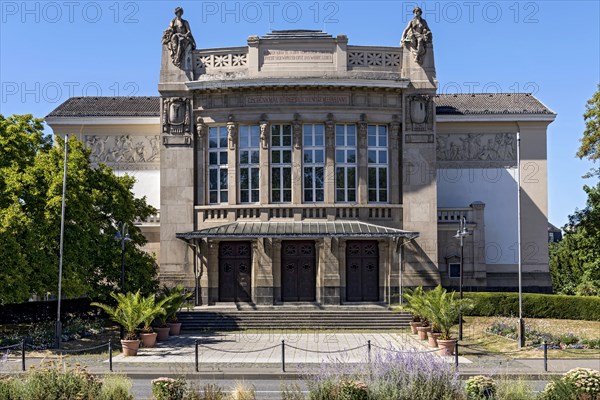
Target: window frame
pixel 345 165
pixel 379 166
pixel 220 168
pixel 277 130
pixel 311 131
pixel 251 146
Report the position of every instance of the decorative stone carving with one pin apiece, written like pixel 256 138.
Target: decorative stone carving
pixel 330 131
pixel 420 112
pixel 417 36
pixel 179 41
pixel 231 133
pixel 201 128
pixel 487 149
pixel 395 133
pixel 176 116
pixel 362 130
pixel 297 131
pixel 264 131
pixel 139 152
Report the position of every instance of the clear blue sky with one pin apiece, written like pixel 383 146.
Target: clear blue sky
pixel 51 50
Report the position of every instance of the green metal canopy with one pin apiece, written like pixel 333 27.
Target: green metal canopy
pixel 302 229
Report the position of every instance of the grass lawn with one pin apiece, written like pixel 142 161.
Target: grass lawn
pixel 475 334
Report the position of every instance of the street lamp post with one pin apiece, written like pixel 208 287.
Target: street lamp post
pixel 461 233
pixel 122 235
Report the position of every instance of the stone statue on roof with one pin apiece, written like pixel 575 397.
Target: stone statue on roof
pixel 417 36
pixel 179 40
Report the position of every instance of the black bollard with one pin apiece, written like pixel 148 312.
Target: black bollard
pixel 283 355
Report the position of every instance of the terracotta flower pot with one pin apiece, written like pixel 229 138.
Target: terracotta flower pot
pixel 130 347
pixel 175 328
pixel 148 339
pixel 432 337
pixel 162 333
pixel 414 325
pixel 446 347
pixel 422 330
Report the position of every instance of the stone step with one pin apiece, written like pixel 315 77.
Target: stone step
pixel 339 318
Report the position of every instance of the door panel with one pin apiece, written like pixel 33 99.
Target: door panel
pixel 235 278
pixel 362 271
pixel 298 271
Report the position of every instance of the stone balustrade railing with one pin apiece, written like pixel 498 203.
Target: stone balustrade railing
pixel 257 212
pixel 374 58
pixel 151 220
pixel 226 59
pixel 454 215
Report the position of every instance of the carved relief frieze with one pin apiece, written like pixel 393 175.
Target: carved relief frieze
pixel 131 152
pixel 485 149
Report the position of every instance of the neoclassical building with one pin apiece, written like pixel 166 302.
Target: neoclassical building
pixel 301 168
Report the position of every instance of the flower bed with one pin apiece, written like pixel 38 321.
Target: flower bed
pixel 534 336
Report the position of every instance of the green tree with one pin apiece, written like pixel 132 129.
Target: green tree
pixel 590 143
pixel 31 172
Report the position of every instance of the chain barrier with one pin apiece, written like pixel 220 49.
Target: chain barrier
pixel 238 352
pixel 14 346
pixel 326 351
pixel 405 351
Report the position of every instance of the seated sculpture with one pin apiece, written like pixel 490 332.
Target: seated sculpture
pixel 417 35
pixel 178 38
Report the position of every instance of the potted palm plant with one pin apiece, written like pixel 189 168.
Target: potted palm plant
pixel 177 298
pixel 432 302
pixel 151 309
pixel 128 313
pixel 445 312
pixel 414 303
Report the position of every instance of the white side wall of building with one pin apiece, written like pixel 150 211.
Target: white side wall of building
pixel 497 188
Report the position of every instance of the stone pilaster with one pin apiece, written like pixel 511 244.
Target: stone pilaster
pixel 265 174
pixel 342 268
pixel 232 161
pixel 330 161
pixel 212 271
pixel 328 272
pixel 276 260
pixel 395 166
pixel 262 274
pixel 297 161
pixel 384 268
pixel 362 165
pixel 201 134
pixel 419 190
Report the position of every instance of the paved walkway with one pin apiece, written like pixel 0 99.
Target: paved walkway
pixel 245 349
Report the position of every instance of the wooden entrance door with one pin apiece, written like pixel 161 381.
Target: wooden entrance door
pixel 235 271
pixel 362 270
pixel 298 271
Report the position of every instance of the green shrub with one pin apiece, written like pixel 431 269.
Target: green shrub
pixel 480 387
pixel 10 388
pixel 578 383
pixel 489 304
pixel 116 387
pixel 168 388
pixel 514 390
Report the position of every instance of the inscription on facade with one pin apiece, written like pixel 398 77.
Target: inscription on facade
pixel 296 56
pixel 300 99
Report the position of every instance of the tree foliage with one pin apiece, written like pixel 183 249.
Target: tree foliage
pixel 31 174
pixel 575 261
pixel 590 143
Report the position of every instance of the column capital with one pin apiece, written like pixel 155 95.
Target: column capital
pixel 232 132
pixel 297 131
pixel 264 131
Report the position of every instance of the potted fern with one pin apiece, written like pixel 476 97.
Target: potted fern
pixel 129 313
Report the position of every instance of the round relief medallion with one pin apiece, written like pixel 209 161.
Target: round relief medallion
pixel 227 268
pixel 370 267
pixel 354 266
pixel 307 266
pixel 243 268
pixel 290 267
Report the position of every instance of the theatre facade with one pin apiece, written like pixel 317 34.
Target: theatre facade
pixel 301 168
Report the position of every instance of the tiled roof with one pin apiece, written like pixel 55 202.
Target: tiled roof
pixel 446 104
pixel 489 103
pixel 137 106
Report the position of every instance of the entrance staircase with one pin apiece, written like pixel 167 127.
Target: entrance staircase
pixel 296 317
